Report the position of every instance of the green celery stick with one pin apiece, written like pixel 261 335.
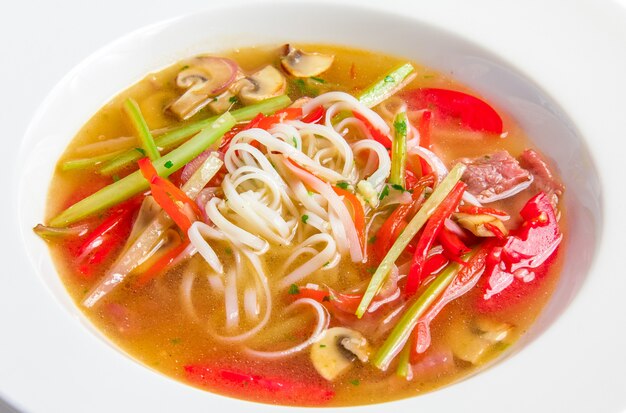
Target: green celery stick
pixel 141 127
pixel 398 149
pixel 386 86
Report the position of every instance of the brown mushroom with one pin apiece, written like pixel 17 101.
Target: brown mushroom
pixel 336 350
pixel 302 64
pixel 264 84
pixel 204 78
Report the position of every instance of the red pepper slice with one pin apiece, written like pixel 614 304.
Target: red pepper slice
pixel 435 263
pixel 431 231
pixel 161 264
pixel 272 387
pixel 376 134
pixel 517 266
pixel 169 197
pixel 475 210
pixel 280 116
pixel 473 113
pixel 106 237
pixel 357 211
pixel 395 223
pixel 347 303
pixel 451 243
pixel 316 115
pixel 423 128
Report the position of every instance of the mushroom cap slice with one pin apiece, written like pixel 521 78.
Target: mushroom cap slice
pixel 302 64
pixel 204 78
pixel 264 84
pixel 336 350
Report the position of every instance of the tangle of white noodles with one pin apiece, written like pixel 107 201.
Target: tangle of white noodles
pixel 315 263
pixel 323 319
pixel 275 145
pixel 234 232
pixel 378 177
pixel 197 234
pixel 336 204
pixel 327 99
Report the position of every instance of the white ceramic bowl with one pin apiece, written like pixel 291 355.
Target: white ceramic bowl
pixel 535 377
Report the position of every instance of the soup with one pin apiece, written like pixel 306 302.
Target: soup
pixel 310 225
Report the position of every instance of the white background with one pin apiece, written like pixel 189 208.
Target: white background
pixel 41 41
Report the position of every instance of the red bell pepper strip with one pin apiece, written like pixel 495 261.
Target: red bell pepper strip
pixel 280 116
pixel 395 223
pixel 169 197
pixel 431 231
pixel 475 210
pixel 435 263
pixel 451 243
pixel 472 112
pixel 358 213
pixel 252 385
pixel 106 237
pixel 517 261
pixel 315 115
pixel 161 264
pixel 376 134
pixel 423 128
pixel 347 303
pixel 465 280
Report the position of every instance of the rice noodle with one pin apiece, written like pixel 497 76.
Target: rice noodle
pixel 323 319
pixel 315 263
pixel 231 302
pixel 197 233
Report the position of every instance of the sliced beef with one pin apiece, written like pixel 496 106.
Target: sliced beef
pixel 496 176
pixel 544 179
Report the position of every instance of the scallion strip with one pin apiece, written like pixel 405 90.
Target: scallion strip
pixel 135 183
pixel 398 149
pixel 179 135
pixel 131 108
pixel 429 207
pixel 84 163
pixel 386 86
pixel 404 362
pixel 401 332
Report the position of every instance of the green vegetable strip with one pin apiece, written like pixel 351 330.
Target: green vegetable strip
pixel 429 207
pixel 135 183
pixel 401 332
pixel 404 362
pixel 385 86
pixel 83 163
pixel 177 136
pixel 398 149
pixel 141 127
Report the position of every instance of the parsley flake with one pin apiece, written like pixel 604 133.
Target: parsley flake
pixel 318 79
pixel 168 164
pixel 398 187
pixel 322 345
pixel 389 79
pixel 372 240
pixel 233 99
pixel 293 289
pixel 141 151
pixel 342 185
pixel 400 127
pixel 371 270
pixel 228 251
pixel 115 177
pixel 355 382
pixel 295 142
pixel 305 218
pixel 383 193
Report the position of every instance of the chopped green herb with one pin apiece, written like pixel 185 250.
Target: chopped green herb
pixel 342 185
pixel 301 85
pixel 305 218
pixel 322 345
pixel 400 127
pixel 355 382
pixel 175 340
pixel 429 76
pixel 383 193
pixel 371 270
pixel 389 79
pixel 310 193
pixel 398 187
pixel 293 289
pixel 326 264
pixel 372 240
pixel 184 68
pixel 295 142
pixel 326 298
pixel 228 251
pixel 233 99
pixel 318 79
pixel 115 177
pixel 141 151
pixel 168 164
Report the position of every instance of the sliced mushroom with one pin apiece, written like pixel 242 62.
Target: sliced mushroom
pixel 476 224
pixel 473 341
pixel 337 349
pixel 264 84
pixel 204 78
pixel 303 64
pixel 223 102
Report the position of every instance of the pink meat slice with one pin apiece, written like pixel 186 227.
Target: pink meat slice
pixel 496 176
pixel 544 181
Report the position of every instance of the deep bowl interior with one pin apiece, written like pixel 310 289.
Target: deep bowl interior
pixel 124 62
